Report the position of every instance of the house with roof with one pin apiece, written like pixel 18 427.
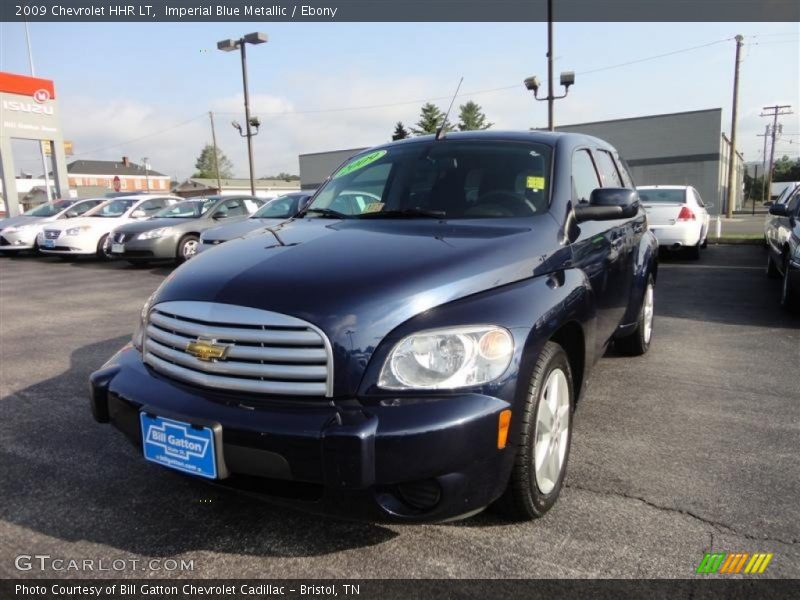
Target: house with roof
pixel 97 177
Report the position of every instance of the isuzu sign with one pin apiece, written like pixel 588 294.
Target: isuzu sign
pixel 29 107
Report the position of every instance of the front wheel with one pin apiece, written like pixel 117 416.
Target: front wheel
pixel 790 299
pixel 187 248
pixel 638 342
pixel 104 248
pixel 542 452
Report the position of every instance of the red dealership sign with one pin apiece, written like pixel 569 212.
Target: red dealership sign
pixel 40 89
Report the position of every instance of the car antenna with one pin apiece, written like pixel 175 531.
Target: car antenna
pixel 440 131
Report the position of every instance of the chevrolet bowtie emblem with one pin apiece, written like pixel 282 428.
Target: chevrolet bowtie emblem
pixel 207 350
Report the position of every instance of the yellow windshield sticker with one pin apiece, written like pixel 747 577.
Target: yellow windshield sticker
pixel 373 207
pixel 360 163
pixel 534 183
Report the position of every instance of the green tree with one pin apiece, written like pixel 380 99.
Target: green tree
pixel 400 132
pixel 430 119
pixel 282 176
pixel 471 117
pixel 786 169
pixel 206 167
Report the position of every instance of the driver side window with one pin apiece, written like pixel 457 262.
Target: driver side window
pixel 584 176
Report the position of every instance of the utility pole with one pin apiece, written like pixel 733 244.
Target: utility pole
pixel 764 160
pixel 755 178
pixel 146 166
pixel 732 157
pixel 550 98
pixel 216 158
pixel 775 112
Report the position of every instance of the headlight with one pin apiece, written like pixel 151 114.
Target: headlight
pixel 138 334
pixel 18 229
pixel 152 234
pixel 77 230
pixel 448 358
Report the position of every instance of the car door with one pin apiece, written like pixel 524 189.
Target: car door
pixel 598 251
pixel 778 229
pixel 702 209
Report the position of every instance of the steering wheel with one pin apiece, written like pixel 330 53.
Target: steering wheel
pixel 502 203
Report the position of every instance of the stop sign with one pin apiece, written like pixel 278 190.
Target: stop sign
pixel 117 184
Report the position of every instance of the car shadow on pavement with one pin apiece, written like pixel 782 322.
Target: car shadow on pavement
pixel 70 478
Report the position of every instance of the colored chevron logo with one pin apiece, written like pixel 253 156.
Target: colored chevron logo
pixel 732 563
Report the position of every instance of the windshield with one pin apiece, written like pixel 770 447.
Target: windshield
pixel 451 179
pixel 49 209
pixel 189 209
pixel 656 196
pixel 281 207
pixel 113 208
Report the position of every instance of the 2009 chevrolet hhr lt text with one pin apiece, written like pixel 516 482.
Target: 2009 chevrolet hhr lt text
pixel 412 346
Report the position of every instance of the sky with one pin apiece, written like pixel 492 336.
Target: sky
pixel 145 89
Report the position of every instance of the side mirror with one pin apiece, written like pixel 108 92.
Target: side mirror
pixel 779 210
pixel 219 215
pixel 70 214
pixel 709 205
pixel 138 214
pixel 609 204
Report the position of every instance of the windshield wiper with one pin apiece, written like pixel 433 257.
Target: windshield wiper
pixel 327 213
pixel 406 213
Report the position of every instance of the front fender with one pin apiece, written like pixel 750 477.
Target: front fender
pixel 532 310
pixel 645 262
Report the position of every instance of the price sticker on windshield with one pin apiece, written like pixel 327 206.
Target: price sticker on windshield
pixel 360 163
pixel 534 183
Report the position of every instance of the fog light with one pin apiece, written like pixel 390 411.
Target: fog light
pixel 503 423
pixel 423 495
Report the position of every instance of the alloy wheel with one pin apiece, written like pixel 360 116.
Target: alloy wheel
pixel 552 431
pixel 647 310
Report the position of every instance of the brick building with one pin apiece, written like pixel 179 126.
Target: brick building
pixel 93 177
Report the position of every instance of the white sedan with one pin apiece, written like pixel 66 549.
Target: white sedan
pixel 89 234
pixel 677 216
pixel 18 234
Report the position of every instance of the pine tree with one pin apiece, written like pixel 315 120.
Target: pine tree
pixel 206 169
pixel 400 132
pixel 430 119
pixel 471 117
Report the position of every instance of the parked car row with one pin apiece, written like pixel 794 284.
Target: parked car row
pixel 141 228
pixel 782 236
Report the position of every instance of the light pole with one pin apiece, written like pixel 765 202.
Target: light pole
pixel 146 174
pixel 229 46
pixel 567 77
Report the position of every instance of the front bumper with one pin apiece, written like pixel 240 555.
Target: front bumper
pixel 17 241
pixel 421 459
pixel 68 244
pixel 163 248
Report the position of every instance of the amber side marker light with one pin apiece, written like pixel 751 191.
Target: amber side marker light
pixel 503 422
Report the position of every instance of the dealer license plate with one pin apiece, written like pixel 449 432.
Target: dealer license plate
pixel 49 243
pixel 179 445
pixel 118 248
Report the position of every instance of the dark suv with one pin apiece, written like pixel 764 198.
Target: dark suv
pixel 411 347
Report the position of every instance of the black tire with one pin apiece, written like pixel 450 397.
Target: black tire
pixel 181 252
pixel 638 342
pixel 102 251
pixel 772 271
pixel 693 252
pixel 790 299
pixel 523 499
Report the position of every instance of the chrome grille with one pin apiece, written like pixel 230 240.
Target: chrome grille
pixel 268 353
pixel 52 234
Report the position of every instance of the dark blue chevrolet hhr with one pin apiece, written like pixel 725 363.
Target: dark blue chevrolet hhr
pixel 410 347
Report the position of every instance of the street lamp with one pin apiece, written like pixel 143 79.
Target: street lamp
pixel 230 46
pixel 567 77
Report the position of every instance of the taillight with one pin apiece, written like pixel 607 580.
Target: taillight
pixel 686 214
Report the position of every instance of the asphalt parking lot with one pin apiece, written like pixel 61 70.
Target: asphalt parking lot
pixel 691 448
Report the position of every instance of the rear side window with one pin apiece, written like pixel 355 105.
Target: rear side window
pixel 584 176
pixel 794 202
pixel 608 169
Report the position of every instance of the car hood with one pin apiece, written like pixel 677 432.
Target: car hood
pixel 235 230
pixel 20 220
pixel 148 224
pixel 358 280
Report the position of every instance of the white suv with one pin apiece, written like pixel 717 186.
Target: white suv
pixel 89 234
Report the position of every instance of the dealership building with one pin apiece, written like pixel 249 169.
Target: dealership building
pixel 685 148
